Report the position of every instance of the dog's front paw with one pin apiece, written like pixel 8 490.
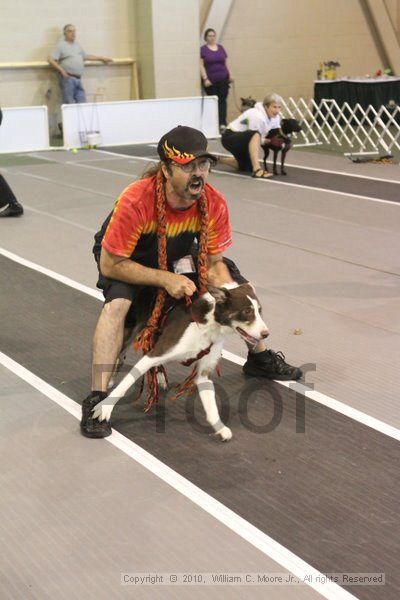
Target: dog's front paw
pixel 102 411
pixel 225 434
pixel 283 172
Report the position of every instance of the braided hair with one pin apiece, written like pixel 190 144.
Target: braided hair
pixel 146 338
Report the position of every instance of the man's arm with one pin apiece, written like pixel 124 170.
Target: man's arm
pixel 56 65
pixel 217 271
pixel 103 59
pixel 129 271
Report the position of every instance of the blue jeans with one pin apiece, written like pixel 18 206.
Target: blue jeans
pixel 72 90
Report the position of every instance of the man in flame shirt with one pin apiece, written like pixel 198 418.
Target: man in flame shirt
pixel 127 250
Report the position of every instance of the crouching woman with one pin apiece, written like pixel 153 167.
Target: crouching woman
pixel 245 135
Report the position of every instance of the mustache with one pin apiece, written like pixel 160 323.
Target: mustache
pixel 195 179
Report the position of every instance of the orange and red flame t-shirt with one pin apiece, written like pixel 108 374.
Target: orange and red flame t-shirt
pixel 131 229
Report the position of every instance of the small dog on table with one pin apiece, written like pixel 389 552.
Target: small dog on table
pixel 280 139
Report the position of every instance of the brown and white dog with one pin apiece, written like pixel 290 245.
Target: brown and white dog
pixel 199 334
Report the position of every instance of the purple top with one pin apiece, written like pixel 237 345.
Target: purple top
pixel 214 63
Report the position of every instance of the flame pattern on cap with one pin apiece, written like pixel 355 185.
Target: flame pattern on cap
pixel 176 155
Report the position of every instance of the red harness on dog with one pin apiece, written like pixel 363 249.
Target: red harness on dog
pixel 202 353
pixel 188 384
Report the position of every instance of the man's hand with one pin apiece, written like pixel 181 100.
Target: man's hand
pixel 125 269
pixel 64 73
pixel 106 60
pixel 178 286
pixel 217 272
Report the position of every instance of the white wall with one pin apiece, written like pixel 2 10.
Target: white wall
pixel 30 30
pixel 272 45
pixel 277 45
pixel 176 29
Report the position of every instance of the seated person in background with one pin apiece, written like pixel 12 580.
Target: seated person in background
pixel 68 58
pixel 244 136
pixel 9 205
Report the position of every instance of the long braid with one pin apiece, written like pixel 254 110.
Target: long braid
pixel 145 339
pixel 187 386
pixel 203 244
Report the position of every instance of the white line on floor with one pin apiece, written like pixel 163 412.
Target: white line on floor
pixel 62 184
pixel 272 181
pixel 132 176
pixel 306 168
pixel 57 218
pixel 331 403
pixel 225 154
pixel 60 162
pixel 131 156
pixel 61 278
pixel 295 166
pixel 257 538
pixel 223 173
pixel 253 235
pixel 336 405
pixel 258 202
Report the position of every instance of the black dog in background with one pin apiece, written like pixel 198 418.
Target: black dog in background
pixel 280 138
pixel 280 141
pixel 247 103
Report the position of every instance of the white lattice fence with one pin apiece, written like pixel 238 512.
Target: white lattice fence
pixel 353 127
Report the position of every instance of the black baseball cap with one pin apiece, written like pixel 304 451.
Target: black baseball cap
pixel 182 145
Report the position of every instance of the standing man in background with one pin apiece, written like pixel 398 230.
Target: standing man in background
pixel 68 58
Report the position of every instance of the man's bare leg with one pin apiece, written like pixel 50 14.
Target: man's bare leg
pixel 108 341
pixel 256 349
pixel 119 363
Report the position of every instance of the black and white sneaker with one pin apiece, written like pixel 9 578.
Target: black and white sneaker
pixel 271 365
pixel 14 209
pixel 90 427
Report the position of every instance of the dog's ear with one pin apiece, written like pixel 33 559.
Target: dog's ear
pixel 296 125
pixel 220 295
pixel 249 288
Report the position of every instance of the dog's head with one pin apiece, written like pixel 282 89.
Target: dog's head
pixel 290 126
pixel 246 103
pixel 239 309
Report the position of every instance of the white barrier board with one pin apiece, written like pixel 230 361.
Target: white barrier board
pixel 24 129
pixel 137 121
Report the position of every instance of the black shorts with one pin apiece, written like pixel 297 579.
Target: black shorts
pixel 145 295
pixel 137 294
pixel 237 142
